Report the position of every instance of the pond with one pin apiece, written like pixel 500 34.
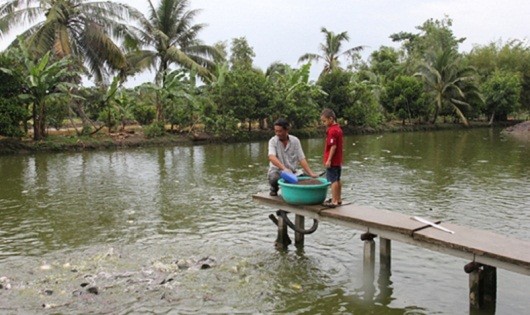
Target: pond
pixel 175 230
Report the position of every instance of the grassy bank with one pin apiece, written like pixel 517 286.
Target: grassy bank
pixel 64 142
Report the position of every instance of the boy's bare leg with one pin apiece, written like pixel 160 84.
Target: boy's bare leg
pixel 335 192
pixel 339 192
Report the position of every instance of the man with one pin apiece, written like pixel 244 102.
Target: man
pixel 285 154
pixel 333 156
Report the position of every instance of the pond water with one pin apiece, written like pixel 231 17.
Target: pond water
pixel 174 229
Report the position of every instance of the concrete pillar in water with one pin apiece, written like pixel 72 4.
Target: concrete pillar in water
pixel 384 283
pixel 384 255
pixel 368 257
pixel 299 222
pixel 490 286
pixel 368 266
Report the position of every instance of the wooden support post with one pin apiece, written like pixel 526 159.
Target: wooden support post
pixel 482 286
pixel 299 222
pixel 282 240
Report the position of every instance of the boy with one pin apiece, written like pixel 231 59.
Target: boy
pixel 333 156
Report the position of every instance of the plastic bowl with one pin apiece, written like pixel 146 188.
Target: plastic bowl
pixel 297 194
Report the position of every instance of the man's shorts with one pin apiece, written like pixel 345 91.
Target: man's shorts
pixel 333 174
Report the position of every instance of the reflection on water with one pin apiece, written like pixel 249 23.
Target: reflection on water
pixel 123 221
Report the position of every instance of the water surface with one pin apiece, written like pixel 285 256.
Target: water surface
pixel 174 230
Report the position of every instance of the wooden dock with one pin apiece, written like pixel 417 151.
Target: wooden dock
pixel 484 250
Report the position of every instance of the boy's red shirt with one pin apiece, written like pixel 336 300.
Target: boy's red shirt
pixel 334 137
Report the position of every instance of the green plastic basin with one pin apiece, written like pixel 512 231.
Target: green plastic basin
pixel 297 194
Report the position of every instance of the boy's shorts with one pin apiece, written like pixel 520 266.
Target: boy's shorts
pixel 333 174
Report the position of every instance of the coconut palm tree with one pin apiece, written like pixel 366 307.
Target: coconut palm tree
pixel 171 38
pixel 331 51
pixel 450 83
pixel 79 28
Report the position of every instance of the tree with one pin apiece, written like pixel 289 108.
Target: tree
pixel 170 33
pixel 295 96
pixel 241 54
pixel 12 109
pixel 433 35
pixel 338 91
pixel 502 95
pixel 115 105
pixel 364 108
pixel 510 57
pixel 385 62
pixel 42 79
pixel 404 97
pixel 448 81
pixel 79 28
pixel 11 115
pixel 331 51
pixel 245 94
pixel 168 95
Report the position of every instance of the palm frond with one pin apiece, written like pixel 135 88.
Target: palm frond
pixel 309 57
pixel 141 60
pixel 14 13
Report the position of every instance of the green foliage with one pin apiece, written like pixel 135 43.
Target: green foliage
pixel 109 117
pixel 512 56
pixel 11 73
pixel 11 116
pixel 86 130
pixel 57 111
pixel 338 89
pixel 155 130
pixel 175 88
pixel 385 62
pixel 143 113
pixel 82 30
pixel 42 79
pixel 433 35
pixel 294 96
pixel 92 101
pixel 223 126
pixel 365 109
pixel 181 112
pixel 404 96
pixel 12 110
pixel 242 54
pixel 450 82
pixel 502 94
pixel 332 51
pixel 169 36
pixel 114 105
pixel 244 93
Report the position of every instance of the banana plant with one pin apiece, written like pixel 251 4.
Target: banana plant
pixel 43 78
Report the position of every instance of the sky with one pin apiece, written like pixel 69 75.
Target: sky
pixel 284 30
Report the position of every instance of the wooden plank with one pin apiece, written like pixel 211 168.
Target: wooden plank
pixel 349 214
pixel 468 243
pixel 311 211
pixel 374 218
pixel 485 246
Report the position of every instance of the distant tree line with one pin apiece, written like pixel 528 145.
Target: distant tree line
pixel 218 89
